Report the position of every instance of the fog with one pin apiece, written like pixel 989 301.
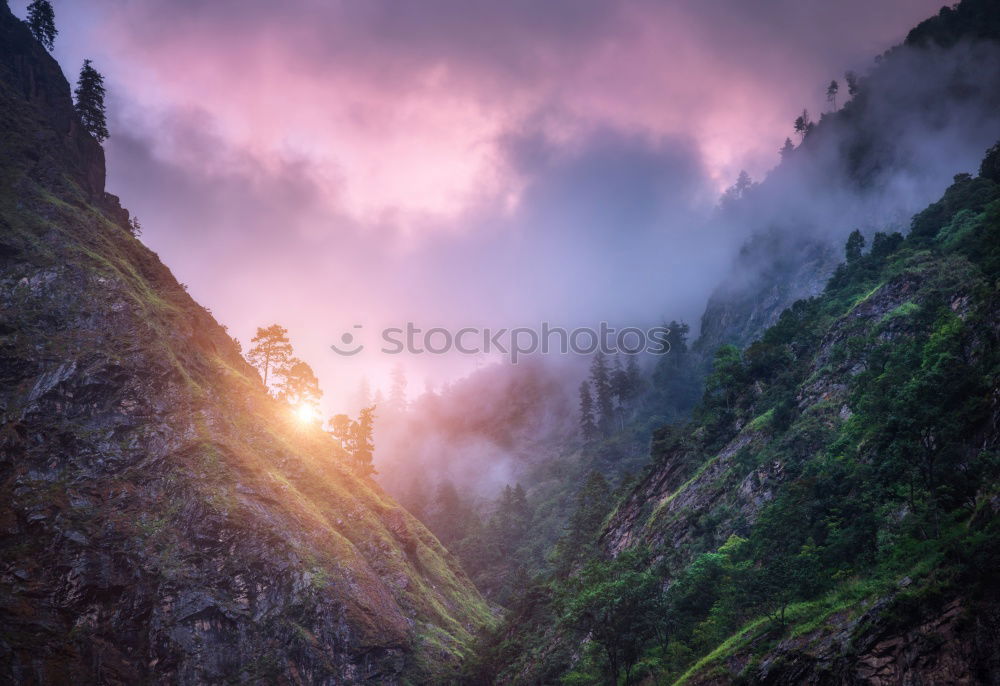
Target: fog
pixel 496 165
pixel 921 117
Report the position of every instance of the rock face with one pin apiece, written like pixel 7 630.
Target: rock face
pixel 161 519
pixel 771 272
pixel 30 73
pixel 944 644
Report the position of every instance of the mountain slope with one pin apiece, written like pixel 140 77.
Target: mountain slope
pixel 924 112
pixel 831 515
pixel 860 436
pixel 162 519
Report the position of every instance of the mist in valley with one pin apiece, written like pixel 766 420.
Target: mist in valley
pixel 920 115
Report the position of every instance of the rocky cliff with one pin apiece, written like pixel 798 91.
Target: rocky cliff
pixel 162 520
pixel 771 272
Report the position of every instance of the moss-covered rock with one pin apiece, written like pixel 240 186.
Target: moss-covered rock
pixel 161 518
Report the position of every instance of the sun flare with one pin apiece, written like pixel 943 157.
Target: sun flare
pixel 306 413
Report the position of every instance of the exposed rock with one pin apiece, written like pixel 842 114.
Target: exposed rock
pixel 945 644
pixel 762 286
pixel 162 519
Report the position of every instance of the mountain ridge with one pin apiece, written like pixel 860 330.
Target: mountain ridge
pixel 937 89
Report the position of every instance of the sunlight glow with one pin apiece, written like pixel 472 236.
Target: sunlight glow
pixel 306 413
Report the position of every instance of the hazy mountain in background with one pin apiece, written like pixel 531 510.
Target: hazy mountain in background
pixel 924 112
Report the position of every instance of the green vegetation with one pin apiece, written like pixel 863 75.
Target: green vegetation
pixel 875 400
pixel 171 453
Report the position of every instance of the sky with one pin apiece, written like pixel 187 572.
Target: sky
pixel 452 163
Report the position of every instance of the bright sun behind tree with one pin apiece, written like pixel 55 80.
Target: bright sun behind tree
pixel 306 413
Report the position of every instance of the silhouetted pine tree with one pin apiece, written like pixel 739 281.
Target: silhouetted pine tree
pixel 90 101
pixel 787 148
pixel 299 384
pixel 853 84
pixel 803 124
pixel 363 445
pixel 42 22
pixel 620 391
pixel 831 93
pixel 855 244
pixel 270 352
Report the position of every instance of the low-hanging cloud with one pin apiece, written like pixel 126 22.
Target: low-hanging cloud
pixel 325 164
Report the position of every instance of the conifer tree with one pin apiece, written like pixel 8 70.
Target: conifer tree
pixel 42 22
pixel 415 500
pixel 363 396
pixel 739 189
pixel 990 166
pixel 593 501
pixel 600 378
pixel 397 392
pixel 619 382
pixel 855 244
pixel 803 124
pixel 270 352
pixel 512 519
pixel 363 444
pixel 356 439
pixel 675 380
pixel 853 85
pixel 340 429
pixel 633 378
pixel 831 93
pixel 90 102
pixel 450 514
pixel 786 149
pixel 587 426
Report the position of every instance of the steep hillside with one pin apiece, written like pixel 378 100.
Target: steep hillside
pixel 162 519
pixel 832 513
pixel 924 112
pixel 859 439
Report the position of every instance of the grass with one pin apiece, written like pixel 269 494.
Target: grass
pixel 865 297
pixel 762 421
pixel 904 310
pixel 224 432
pixel 655 514
pixel 831 611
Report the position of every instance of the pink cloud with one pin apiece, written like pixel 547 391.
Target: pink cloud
pixel 398 106
pixel 319 163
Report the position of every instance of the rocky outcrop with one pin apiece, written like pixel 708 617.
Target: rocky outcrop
pixel 946 642
pixel 772 271
pixel 665 515
pixel 162 520
pixel 63 147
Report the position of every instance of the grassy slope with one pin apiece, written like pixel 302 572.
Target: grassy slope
pixel 83 289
